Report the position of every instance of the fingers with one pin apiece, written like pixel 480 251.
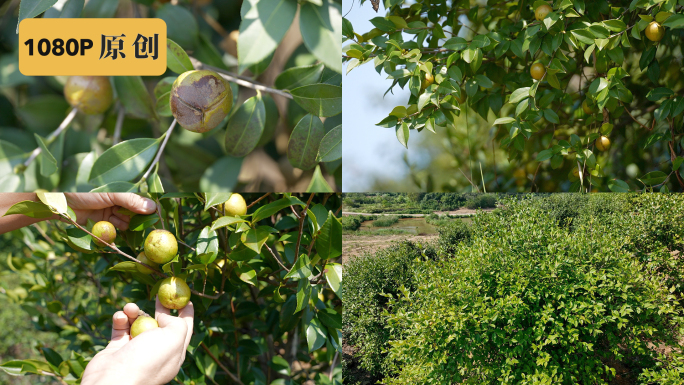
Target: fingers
pixel 133 202
pixel 131 310
pixel 120 330
pixel 187 314
pixel 118 223
pixel 162 314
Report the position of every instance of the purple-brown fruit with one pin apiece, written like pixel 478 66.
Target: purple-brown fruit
pixel 200 100
pixel 105 231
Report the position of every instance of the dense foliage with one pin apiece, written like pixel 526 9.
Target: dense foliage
pixel 265 312
pixel 411 203
pixel 283 132
pixel 590 293
pixel 570 96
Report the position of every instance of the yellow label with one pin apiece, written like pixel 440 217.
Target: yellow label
pixel 104 47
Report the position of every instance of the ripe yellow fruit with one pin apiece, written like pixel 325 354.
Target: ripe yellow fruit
pixel 142 269
pixel 174 293
pixel 427 80
pixel 90 94
pixel 541 11
pixel 537 71
pixel 587 108
pixel 235 205
pixel 105 231
pixel 602 143
pixel 161 246
pixel 655 31
pixel 575 172
pixel 143 324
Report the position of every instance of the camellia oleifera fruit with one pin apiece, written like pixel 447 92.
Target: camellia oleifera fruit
pixel 89 94
pixel 235 205
pixel 142 269
pixel 174 293
pixel 161 246
pixel 541 11
pixel 537 71
pixel 200 100
pixel 655 31
pixel 142 324
pixel 105 231
pixel 602 143
pixel 427 80
pixel 586 107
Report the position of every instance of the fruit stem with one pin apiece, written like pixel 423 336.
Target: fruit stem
pixel 160 151
pixel 239 80
pixel 52 136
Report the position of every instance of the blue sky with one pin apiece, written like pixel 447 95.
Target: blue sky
pixel 368 151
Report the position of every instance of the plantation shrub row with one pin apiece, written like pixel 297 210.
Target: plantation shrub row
pixel 562 289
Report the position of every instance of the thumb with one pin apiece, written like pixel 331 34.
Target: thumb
pixel 133 202
pixel 120 331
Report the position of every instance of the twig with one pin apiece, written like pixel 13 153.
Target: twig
pixel 65 123
pixel 161 149
pixel 256 201
pixel 332 366
pixel 119 125
pixel 276 258
pixel 240 80
pixel 213 357
pixel 301 225
pixel 186 245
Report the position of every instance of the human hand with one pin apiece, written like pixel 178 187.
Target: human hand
pixel 104 207
pixel 153 357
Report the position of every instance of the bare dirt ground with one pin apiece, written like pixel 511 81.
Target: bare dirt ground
pixel 355 245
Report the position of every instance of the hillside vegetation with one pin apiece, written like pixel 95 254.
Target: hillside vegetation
pixel 560 289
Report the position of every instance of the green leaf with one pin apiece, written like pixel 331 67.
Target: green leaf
pixel 18 367
pixel 675 21
pixel 659 93
pixel 302 148
pixel 125 161
pixel 331 145
pixel 653 178
pixel 55 201
pixel 255 238
pixel 213 199
pixel 71 9
pixel 402 132
pixel 334 277
pixel 318 182
pixel 321 29
pixel 222 175
pixel 544 155
pixel 116 187
pixel 264 24
pixel 315 335
pixel 280 365
pixel 30 209
pixel 133 95
pixel 246 274
pixel 273 207
pixel 617 185
pixel 299 76
pixel 225 221
pixel 647 57
pixel 50 355
pixel 48 163
pixel 33 8
pixel 504 120
pixel 207 245
pixel 80 240
pixel 319 99
pixel 141 222
pixel 163 106
pixel 301 269
pixel 330 318
pixel 518 95
pixel 242 253
pixel 10 156
pixel 100 8
pixel 176 58
pixel 245 127
pixel 128 266
pixel 329 240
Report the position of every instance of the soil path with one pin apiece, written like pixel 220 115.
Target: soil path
pixel 355 245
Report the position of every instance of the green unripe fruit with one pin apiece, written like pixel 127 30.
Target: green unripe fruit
pixel 161 246
pixel 174 293
pixel 89 94
pixel 105 231
pixel 200 100
pixel 142 269
pixel 235 205
pixel 143 324
pixel 537 70
pixel 587 108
